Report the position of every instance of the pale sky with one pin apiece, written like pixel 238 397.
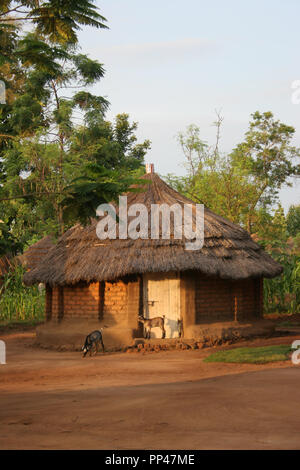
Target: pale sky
pixel 170 64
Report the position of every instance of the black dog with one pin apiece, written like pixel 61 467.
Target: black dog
pixel 93 339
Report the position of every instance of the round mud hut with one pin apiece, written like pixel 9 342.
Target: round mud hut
pixel 211 294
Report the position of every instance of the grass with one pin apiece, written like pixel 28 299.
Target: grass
pixel 19 303
pixel 289 324
pixel 258 355
pixel 21 325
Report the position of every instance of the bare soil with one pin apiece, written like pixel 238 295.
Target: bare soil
pixel 155 400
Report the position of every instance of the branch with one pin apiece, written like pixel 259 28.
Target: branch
pixel 11 10
pixel 218 124
pixel 8 136
pixel 29 195
pixel 17 19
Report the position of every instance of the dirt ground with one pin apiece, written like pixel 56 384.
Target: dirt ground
pixel 163 400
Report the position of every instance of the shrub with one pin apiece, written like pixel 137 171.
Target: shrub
pixel 18 302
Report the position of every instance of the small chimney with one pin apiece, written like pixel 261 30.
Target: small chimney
pixel 149 167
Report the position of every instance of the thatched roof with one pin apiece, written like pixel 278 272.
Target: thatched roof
pixel 36 252
pixel 79 255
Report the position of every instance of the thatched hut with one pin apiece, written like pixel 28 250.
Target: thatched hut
pixel 36 252
pixel 215 291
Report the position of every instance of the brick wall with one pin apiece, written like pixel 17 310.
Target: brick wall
pixel 134 303
pixel 118 302
pixel 213 300
pixel 247 297
pixel 80 300
pixel 114 302
pixel 55 302
pixel 115 308
pixel 48 306
pixel 225 300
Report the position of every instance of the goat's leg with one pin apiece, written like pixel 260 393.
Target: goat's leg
pixel 163 333
pixel 94 349
pixel 102 345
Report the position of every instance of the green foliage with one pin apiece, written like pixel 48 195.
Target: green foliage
pixel 293 220
pixel 108 144
pixel 267 153
pixel 98 186
pixel 271 229
pixel 20 303
pixel 8 243
pixel 241 184
pixel 47 149
pixel 282 293
pixel 258 355
pixel 58 21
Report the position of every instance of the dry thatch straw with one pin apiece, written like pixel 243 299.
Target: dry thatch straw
pixel 228 251
pixel 36 252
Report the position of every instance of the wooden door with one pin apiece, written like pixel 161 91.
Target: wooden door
pixel 162 297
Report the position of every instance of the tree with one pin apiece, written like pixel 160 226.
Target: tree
pixel 56 20
pixel 243 185
pixel 56 149
pixel 267 158
pixel 8 243
pixel 271 229
pixel 110 144
pixel 293 220
pixel 211 178
pixel 40 124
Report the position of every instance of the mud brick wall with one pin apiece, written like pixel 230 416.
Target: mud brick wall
pixel 114 302
pixel 203 300
pixel 224 300
pixel 121 302
pixel 48 302
pixel 80 301
pixel 188 298
pixel 213 300
pixel 54 302
pixel 134 303
pixel 248 299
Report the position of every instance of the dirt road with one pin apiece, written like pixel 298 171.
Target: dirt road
pixel 165 400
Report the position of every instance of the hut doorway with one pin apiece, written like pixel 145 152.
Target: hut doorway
pixel 161 296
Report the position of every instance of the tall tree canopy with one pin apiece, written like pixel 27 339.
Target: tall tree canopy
pixel 243 185
pixel 59 156
pixel 56 20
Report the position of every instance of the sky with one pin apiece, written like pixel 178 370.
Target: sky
pixel 170 64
